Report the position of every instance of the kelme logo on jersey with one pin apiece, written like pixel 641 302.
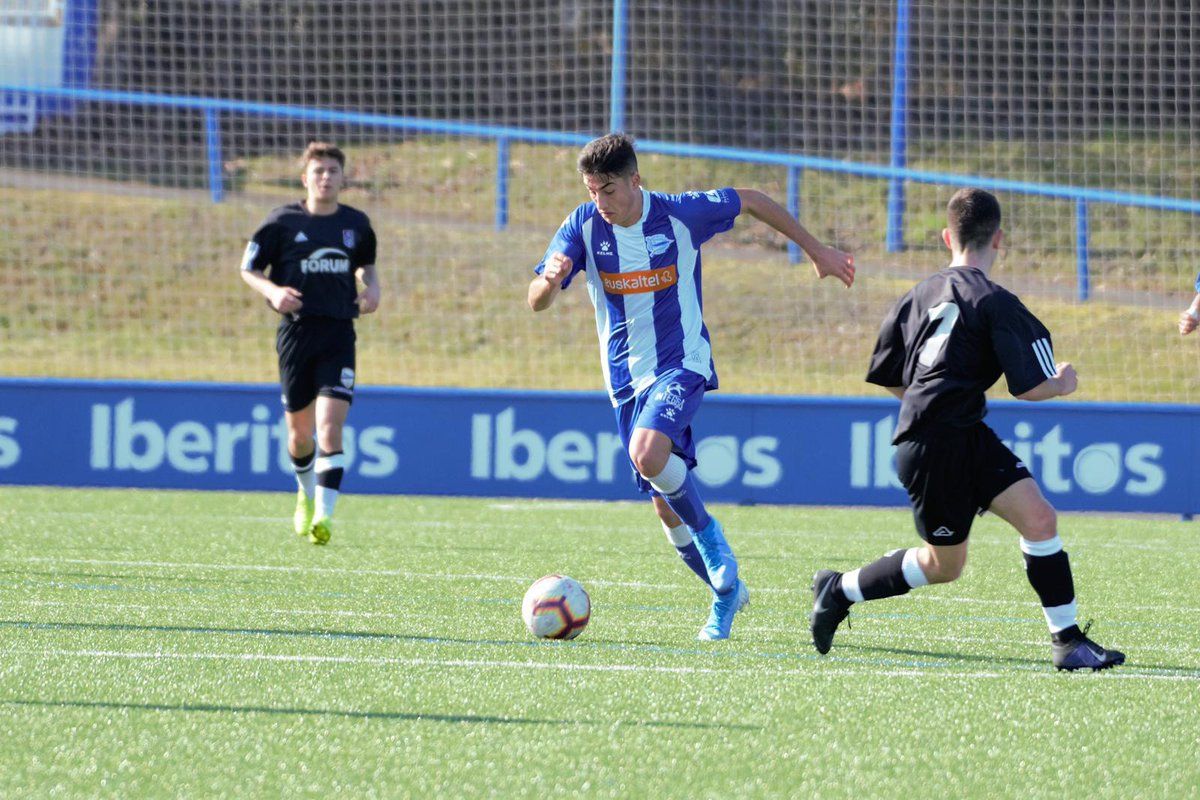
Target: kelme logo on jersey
pixel 646 280
pixel 327 260
pixel 671 395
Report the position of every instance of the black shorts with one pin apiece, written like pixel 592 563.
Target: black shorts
pixel 316 356
pixel 953 476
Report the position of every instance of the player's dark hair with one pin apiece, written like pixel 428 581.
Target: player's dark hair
pixel 973 217
pixel 317 149
pixel 611 154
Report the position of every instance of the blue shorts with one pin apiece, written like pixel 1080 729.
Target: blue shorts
pixel 667 406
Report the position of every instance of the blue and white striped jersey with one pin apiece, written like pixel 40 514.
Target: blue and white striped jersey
pixel 644 281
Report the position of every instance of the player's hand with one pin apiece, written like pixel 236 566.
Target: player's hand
pixel 285 299
pixel 368 299
pixel 1188 320
pixel 558 268
pixel 831 261
pixel 1067 379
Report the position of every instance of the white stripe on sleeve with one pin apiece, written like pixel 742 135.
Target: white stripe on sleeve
pixel 1045 356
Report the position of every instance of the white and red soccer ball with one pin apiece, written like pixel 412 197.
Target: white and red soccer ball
pixel 556 607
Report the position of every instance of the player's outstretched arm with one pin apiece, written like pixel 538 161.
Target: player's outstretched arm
pixel 284 299
pixel 1189 318
pixel 826 260
pixel 368 298
pixel 545 287
pixel 1062 384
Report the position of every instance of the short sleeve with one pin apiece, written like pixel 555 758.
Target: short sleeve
pixel 568 240
pixel 1198 284
pixel 364 254
pixel 706 213
pixel 262 249
pixel 887 362
pixel 1021 343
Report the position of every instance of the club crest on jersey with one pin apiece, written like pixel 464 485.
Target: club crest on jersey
pixel 347 377
pixel 658 244
pixel 348 237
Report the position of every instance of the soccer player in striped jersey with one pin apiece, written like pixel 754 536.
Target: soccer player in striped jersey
pixel 639 252
pixel 939 349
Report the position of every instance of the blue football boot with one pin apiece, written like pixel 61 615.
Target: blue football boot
pixel 1072 652
pixel 724 607
pixel 719 563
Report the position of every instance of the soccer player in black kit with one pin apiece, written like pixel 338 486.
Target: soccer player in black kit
pixel 939 349
pixel 316 250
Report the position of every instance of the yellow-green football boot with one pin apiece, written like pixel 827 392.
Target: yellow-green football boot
pixel 322 529
pixel 302 519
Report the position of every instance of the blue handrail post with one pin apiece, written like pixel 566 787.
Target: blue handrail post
pixel 1081 248
pixel 212 141
pixel 899 157
pixel 502 160
pixel 620 65
pixel 793 206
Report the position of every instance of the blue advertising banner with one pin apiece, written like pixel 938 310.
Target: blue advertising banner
pixel 827 451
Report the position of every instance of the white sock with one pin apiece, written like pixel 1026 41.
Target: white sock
pixel 306 477
pixel 326 499
pixel 326 496
pixel 671 478
pixel 679 536
pixel 850 586
pixel 1059 618
pixel 914 576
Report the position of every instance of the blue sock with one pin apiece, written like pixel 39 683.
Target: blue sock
pixel 681 539
pixel 678 487
pixel 691 556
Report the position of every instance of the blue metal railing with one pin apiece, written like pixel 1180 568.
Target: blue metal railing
pixel 213 108
pixel 899 142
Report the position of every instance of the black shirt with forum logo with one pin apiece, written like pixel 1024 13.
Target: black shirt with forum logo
pixel 316 254
pixel 947 341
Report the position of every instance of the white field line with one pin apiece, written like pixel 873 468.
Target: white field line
pixel 388 573
pixel 743 628
pixel 757 670
pixel 365 523
pixel 801 588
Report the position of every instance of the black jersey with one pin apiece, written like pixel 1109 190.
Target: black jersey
pixel 316 254
pixel 947 341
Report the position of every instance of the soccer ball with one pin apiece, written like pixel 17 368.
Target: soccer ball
pixel 556 607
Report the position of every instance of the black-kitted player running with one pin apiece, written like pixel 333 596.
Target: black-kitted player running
pixel 306 260
pixel 939 349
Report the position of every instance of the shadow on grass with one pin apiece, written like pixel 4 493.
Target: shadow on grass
pixel 368 715
pixel 947 659
pixel 281 632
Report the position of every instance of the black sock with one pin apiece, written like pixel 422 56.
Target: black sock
pixel 1050 577
pixel 883 577
pixel 331 478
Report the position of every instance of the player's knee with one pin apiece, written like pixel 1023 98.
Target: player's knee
pixel 1041 523
pixel 647 462
pixel 299 442
pixel 330 435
